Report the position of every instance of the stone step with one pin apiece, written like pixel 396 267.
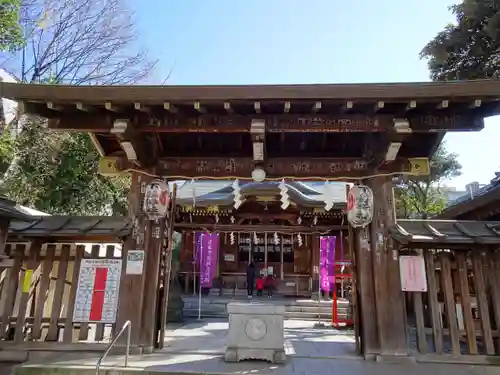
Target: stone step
pixel 314 308
pixel 216 300
pixel 299 315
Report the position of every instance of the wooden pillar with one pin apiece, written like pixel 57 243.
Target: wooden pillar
pixel 282 270
pixel 128 306
pixel 366 292
pixel 138 293
pixel 389 299
pixel 132 286
pixel 4 232
pixel 315 262
pixel 153 242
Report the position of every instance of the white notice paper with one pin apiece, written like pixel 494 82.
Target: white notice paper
pixel 135 262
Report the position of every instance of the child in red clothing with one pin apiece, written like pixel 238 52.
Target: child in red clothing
pixel 269 285
pixel 259 285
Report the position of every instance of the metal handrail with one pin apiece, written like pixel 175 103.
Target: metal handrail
pixel 127 326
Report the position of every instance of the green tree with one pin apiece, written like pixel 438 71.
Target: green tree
pixel 79 42
pixel 470 48
pixel 10 29
pixel 425 197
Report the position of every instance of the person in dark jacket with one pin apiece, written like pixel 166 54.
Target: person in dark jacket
pixel 251 271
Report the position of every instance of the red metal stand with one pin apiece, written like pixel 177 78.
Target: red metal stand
pixel 336 321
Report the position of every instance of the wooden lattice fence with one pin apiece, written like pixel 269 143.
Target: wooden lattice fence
pixel 38 292
pixel 460 312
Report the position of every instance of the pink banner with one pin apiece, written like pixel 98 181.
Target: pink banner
pixel 327 262
pixel 208 255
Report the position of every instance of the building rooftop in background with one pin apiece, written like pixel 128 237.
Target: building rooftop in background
pixel 479 202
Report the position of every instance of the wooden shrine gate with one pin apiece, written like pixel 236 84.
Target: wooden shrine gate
pixel 269 133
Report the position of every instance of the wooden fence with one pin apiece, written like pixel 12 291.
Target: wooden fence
pixel 38 292
pixel 460 312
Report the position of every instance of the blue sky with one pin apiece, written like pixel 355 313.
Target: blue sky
pixel 304 41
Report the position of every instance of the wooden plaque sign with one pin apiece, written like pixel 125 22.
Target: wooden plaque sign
pixel 328 124
pixel 274 167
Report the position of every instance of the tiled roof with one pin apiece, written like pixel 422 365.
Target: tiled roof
pixel 221 192
pixel 81 227
pixel 446 232
pixel 11 210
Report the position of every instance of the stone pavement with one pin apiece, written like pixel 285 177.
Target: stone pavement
pixel 197 348
pixel 301 339
pixel 212 364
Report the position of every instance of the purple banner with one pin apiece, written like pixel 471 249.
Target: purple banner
pixel 327 262
pixel 208 255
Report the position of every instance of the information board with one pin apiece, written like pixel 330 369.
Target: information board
pixel 98 290
pixel 135 262
pixel 412 272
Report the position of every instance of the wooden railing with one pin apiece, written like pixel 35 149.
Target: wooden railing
pixel 460 312
pixel 38 293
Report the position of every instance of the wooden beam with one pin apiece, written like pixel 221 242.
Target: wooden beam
pixel 256 107
pixel 112 107
pixel 170 108
pixel 124 94
pixel 348 123
pixel 475 104
pixel 258 228
pixel 84 107
pixel 134 145
pixel 443 104
pixel 312 168
pixel 347 106
pixel 316 107
pixel 228 108
pixel 378 106
pixel 96 144
pixel 198 107
pixel 411 105
pixel 54 107
pixel 142 108
pixel 387 149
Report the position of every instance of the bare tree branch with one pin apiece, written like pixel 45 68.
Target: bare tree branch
pixel 79 42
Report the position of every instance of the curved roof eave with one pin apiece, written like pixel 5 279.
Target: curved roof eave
pixel 218 198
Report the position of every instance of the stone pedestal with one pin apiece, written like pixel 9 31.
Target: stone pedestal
pixel 255 332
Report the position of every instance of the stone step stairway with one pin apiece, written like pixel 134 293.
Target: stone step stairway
pixel 299 309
